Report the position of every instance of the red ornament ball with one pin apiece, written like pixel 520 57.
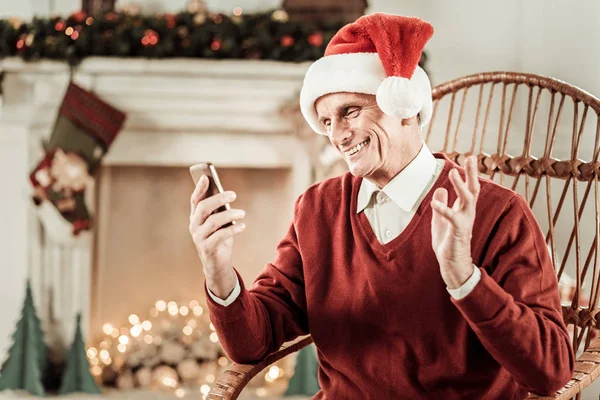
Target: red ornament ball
pixel 79 16
pixel 215 45
pixel 60 26
pixel 315 39
pixel 150 38
pixel 287 41
pixel 25 40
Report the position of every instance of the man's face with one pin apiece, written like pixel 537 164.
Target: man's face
pixel 365 136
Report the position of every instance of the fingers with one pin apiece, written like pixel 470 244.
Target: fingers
pixel 207 206
pixel 467 191
pixel 439 203
pixel 472 179
pixel 221 235
pixel 198 193
pixel 441 195
pixel 442 209
pixel 214 222
pixel 461 188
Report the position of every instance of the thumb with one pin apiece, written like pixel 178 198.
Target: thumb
pixel 437 221
pixel 441 195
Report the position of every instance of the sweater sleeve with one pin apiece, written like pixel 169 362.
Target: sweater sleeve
pixel 270 313
pixel 515 310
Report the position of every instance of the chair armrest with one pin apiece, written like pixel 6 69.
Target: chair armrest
pixel 587 369
pixel 232 381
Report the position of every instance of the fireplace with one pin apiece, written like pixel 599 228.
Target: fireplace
pixel 241 115
pixel 145 252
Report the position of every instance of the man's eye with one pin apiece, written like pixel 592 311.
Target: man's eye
pixel 352 112
pixel 327 123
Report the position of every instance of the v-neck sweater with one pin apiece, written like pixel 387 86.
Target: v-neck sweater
pixel 381 318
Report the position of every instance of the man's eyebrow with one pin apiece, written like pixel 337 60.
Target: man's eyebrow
pixel 348 104
pixel 353 103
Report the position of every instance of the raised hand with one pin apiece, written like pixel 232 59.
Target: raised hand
pixel 452 227
pixel 213 243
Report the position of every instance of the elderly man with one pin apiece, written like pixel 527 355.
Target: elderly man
pixel 416 278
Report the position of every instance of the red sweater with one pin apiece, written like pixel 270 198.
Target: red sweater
pixel 383 322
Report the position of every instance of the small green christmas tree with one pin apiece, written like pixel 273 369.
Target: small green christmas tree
pixel 27 357
pixel 305 379
pixel 39 334
pixel 77 376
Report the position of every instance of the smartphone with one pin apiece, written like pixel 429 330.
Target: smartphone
pixel 214 184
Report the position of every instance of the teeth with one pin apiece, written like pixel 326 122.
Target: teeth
pixel 356 148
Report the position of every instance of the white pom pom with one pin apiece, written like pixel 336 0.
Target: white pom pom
pixel 399 97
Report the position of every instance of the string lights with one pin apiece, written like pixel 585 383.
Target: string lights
pixel 175 347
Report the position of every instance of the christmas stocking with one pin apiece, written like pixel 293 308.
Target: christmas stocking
pixel 84 130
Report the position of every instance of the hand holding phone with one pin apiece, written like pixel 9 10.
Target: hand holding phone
pixel 214 183
pixel 212 227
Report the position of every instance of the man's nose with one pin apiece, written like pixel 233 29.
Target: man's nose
pixel 339 131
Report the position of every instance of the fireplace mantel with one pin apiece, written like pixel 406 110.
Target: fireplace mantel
pixel 236 113
pixel 173 100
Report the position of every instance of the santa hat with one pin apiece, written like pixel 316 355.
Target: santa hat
pixel 377 54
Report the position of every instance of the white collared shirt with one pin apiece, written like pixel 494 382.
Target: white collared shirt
pixel 391 208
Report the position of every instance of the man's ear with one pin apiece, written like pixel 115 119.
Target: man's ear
pixel 409 121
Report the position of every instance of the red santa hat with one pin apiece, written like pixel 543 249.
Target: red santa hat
pixel 377 54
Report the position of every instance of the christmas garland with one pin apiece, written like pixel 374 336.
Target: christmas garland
pixel 269 36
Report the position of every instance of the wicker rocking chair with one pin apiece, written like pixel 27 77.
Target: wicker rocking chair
pixel 527 131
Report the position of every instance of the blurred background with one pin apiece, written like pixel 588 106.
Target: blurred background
pixel 105 104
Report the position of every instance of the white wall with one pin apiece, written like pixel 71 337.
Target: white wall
pixel 558 38
pixel 28 8
pixel 13 230
pixel 224 6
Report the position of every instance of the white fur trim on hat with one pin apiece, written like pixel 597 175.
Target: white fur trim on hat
pixel 352 72
pixel 364 73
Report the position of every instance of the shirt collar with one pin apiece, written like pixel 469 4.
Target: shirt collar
pixel 406 187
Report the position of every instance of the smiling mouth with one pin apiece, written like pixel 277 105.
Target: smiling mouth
pixel 356 148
